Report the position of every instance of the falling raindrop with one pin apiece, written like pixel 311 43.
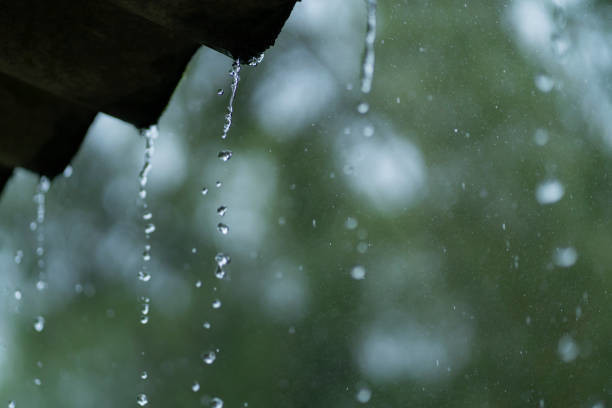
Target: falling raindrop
pixel 216 403
pixel 549 192
pixel 363 395
pixel 565 257
pixel 198 284
pixel 541 137
pixel 216 304
pixel 18 295
pixel 368 131
pixel 195 387
pixel 358 272
pixel 220 273
pixel 254 61
pixel 144 375
pixel 351 223
pixel 37 381
pixel 142 399
pixel 544 83
pixel 367 70
pixel 150 228
pixel 221 259
pixel 18 257
pixel 146 254
pixel 144 276
pixel 218 184
pixel 235 74
pixel 222 210
pixel 225 155
pixel 220 91
pixel 223 228
pixel 68 171
pixel 209 357
pixel 144 319
pixel 204 191
pixel 206 325
pixel 568 349
pixel 41 285
pixel 363 108
pixel 12 404
pixel 39 324
pixel 147 216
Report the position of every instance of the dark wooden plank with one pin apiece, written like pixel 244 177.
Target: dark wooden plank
pixel 63 61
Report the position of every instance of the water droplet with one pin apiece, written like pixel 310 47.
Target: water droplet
pixel 194 250
pixel 254 61
pixel 150 229
pixel 216 403
pixel 147 216
pixel 142 399
pixel 144 319
pixel 544 83
pixel 68 171
pixel 222 228
pixel 225 155
pixel 198 284
pixel 368 131
pixel 351 223
pixel 358 272
pixel 195 387
pixel 33 226
pixel 549 192
pixel 18 257
pixel 221 259
pixel 363 108
pixel 222 210
pixel 220 273
pixel 41 285
pixel 37 381
pixel 39 324
pixel 568 349
pixel 220 91
pixel 216 304
pixel 204 191
pixel 541 137
pixel 209 357
pixel 565 257
pixel 206 325
pixel 144 276
pixel 144 375
pixel 363 395
pixel 12 404
pixel 146 254
pixel 44 184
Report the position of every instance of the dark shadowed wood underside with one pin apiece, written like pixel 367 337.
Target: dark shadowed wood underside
pixel 62 62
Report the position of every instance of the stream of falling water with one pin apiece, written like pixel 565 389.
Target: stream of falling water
pixel 40 198
pixel 235 74
pixel 221 259
pixel 144 275
pixel 367 69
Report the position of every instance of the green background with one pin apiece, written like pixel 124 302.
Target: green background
pixel 472 295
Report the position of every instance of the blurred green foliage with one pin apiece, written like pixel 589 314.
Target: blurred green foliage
pixel 477 292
